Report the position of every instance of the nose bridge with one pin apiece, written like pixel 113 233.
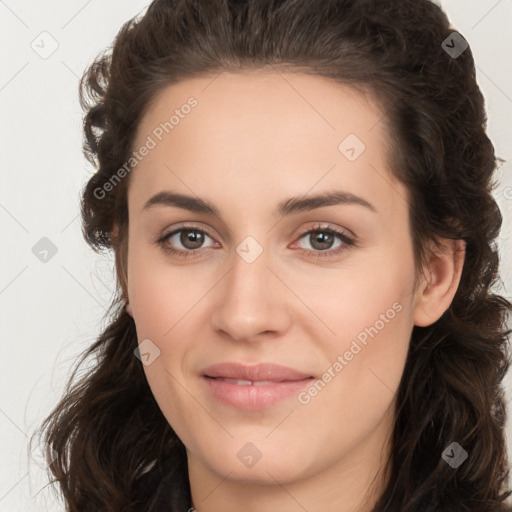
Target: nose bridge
pixel 247 283
pixel 249 303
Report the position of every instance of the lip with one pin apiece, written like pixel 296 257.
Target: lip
pixel 269 384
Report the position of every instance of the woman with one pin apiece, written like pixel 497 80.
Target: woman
pixel 305 317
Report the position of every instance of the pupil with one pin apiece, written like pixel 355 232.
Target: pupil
pixel 193 237
pixel 322 240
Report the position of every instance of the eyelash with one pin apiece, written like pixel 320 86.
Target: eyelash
pixel 342 236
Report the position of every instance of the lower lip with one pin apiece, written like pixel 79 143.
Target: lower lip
pixel 252 398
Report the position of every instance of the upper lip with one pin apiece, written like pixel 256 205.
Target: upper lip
pixel 254 373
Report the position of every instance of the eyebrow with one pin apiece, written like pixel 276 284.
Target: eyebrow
pixel 284 208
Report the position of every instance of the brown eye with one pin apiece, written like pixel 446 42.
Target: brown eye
pixel 191 238
pixel 321 240
pixel 185 241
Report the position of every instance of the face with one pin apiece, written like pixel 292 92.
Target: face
pixel 265 275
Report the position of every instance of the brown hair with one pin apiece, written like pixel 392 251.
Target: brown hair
pixel 116 451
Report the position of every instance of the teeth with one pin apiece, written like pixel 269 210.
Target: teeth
pixel 263 382
pixel 248 382
pixel 238 382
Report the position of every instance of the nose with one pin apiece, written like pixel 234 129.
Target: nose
pixel 251 301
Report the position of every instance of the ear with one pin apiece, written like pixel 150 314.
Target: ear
pixel 114 232
pixel 440 281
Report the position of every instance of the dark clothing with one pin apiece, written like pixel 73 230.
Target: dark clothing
pixel 169 493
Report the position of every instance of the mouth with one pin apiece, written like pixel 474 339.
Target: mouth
pixel 241 382
pixel 253 387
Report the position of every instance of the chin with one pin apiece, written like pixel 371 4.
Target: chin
pixel 273 464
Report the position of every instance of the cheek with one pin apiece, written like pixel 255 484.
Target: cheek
pixel 365 363
pixel 160 294
pixel 358 301
pixel 371 312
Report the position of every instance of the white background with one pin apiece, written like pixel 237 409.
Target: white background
pixel 50 312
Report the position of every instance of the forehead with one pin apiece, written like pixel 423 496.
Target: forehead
pixel 257 100
pixel 260 131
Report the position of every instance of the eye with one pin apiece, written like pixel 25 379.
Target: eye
pixel 190 237
pixel 321 240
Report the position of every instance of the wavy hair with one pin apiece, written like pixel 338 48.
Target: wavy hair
pixel 115 449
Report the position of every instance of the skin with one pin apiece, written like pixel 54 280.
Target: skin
pixel 255 139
